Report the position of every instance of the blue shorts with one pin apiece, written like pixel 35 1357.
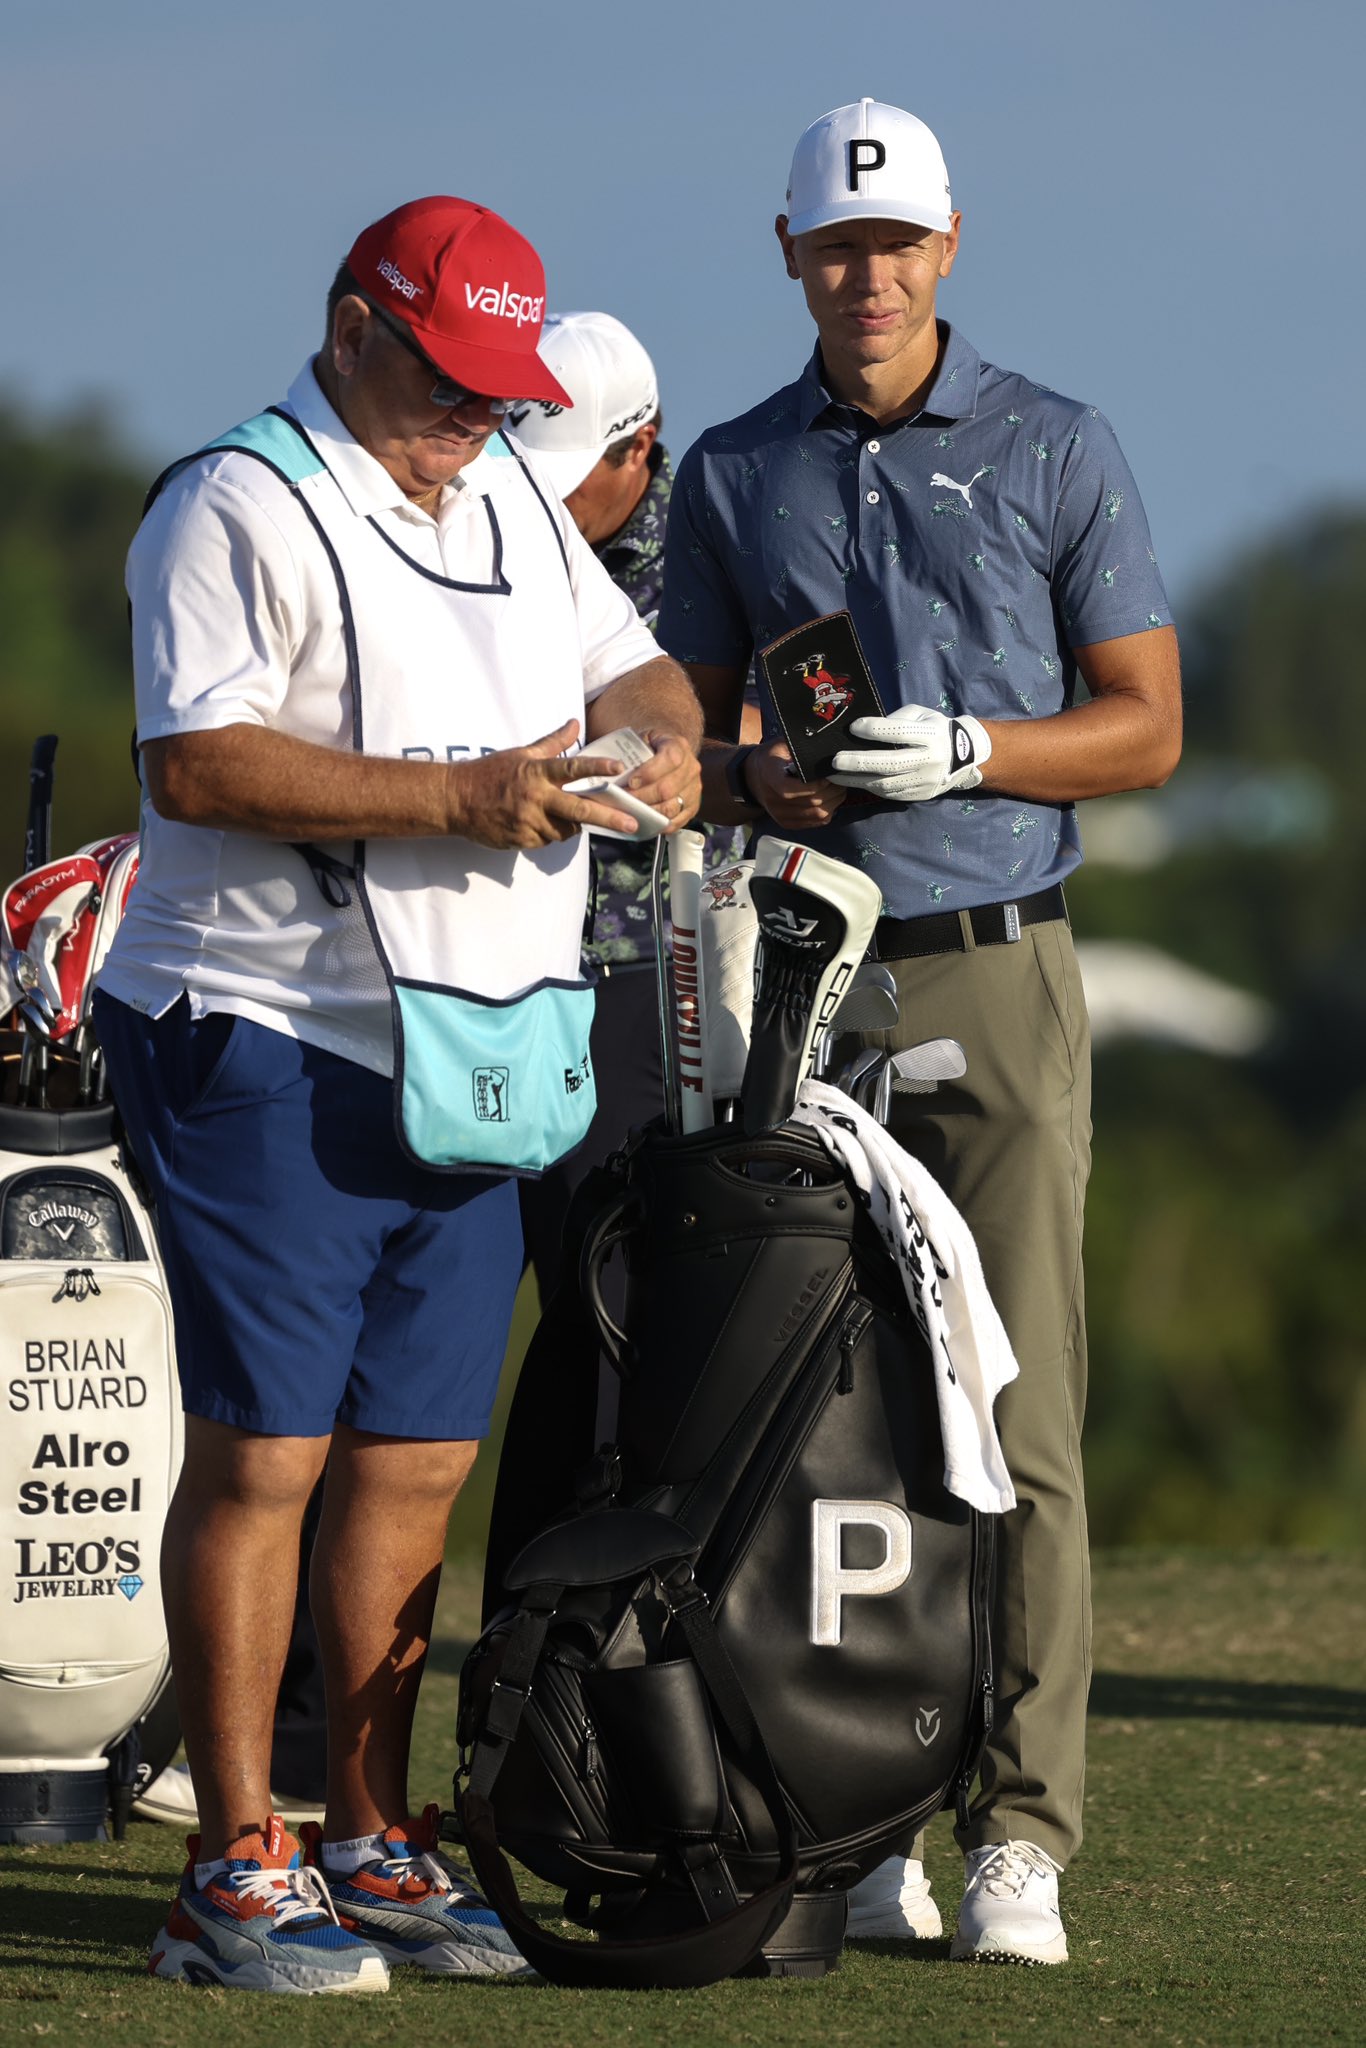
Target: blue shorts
pixel 316 1275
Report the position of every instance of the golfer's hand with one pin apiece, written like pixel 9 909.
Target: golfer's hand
pixel 516 798
pixel 671 781
pixel 916 753
pixel 773 782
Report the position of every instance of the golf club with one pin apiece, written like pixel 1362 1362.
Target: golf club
pixel 920 1069
pixel 855 1068
pixel 815 918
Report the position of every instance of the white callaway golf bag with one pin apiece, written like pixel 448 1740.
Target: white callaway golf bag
pixel 92 1431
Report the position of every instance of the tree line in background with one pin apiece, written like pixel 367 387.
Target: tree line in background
pixel 1228 1340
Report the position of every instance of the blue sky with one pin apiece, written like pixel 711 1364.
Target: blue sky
pixel 1162 203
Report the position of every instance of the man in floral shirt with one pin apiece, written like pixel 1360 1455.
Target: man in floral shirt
pixel 607 462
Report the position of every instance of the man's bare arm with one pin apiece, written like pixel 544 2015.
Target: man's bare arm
pixel 1127 737
pixel 658 701
pixel 248 778
pixel 786 798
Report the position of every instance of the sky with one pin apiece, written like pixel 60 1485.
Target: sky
pixel 1162 204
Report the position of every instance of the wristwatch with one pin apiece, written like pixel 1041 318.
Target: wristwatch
pixel 735 779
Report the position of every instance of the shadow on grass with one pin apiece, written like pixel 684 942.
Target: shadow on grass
pixel 81 1927
pixel 1129 1697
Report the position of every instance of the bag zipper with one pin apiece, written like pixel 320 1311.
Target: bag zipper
pixel 854 1326
pixel 792 1428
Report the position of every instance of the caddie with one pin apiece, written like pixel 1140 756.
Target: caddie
pixel 343 1014
pixel 987 537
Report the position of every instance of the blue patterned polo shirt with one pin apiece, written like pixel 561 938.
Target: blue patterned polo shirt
pixel 976 545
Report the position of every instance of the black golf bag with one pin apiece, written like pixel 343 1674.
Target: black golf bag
pixel 737 1657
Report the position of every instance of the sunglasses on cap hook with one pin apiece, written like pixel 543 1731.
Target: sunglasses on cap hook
pixel 445 392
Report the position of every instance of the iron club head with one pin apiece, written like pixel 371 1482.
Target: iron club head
pixel 870 1004
pixel 855 1068
pixel 920 1069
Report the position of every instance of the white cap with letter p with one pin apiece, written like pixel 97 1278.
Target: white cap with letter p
pixel 868 161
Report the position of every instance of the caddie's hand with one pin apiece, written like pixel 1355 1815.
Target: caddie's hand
pixel 918 753
pixel 516 798
pixel 671 781
pixel 773 782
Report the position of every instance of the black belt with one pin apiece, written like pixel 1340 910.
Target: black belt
pixel 993 924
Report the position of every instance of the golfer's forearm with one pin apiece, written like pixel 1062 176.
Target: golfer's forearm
pixel 719 806
pixel 656 697
pixel 246 778
pixel 1113 743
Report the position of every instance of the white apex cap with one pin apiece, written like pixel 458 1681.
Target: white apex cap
pixel 612 382
pixel 867 161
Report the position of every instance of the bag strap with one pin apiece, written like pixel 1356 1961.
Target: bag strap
pixel 733 1929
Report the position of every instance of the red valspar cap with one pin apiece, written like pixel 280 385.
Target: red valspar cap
pixel 471 289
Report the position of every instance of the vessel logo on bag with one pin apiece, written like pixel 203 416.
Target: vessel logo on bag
pixel 820 683
pixel 491 1095
pixel 926 1725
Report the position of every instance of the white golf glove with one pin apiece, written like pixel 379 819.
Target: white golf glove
pixel 918 753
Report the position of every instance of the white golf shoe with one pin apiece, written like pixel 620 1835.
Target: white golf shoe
pixel 1010 1907
pixel 893 1903
pixel 170 1798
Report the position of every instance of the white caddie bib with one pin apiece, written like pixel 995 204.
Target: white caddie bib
pixel 480 947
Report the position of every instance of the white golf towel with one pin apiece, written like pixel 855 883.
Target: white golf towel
pixel 936 1256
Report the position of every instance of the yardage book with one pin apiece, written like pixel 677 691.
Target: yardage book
pixel 820 683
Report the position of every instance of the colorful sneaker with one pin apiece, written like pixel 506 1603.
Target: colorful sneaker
pixel 415 1907
pixel 263 1924
pixel 893 1903
pixel 1010 1907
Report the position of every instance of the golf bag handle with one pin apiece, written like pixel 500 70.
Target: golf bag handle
pixel 608 1231
pixel 787 1143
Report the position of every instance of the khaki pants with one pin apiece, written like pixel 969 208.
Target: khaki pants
pixel 1011 1144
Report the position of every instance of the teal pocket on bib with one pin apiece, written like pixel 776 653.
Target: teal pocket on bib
pixel 499 1086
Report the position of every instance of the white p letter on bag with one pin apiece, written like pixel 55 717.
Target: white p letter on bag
pixel 831 1580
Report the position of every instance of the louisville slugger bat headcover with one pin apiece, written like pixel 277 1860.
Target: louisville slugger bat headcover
pixel 690 989
pixel 815 918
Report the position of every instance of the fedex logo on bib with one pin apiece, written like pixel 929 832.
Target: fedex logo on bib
pixel 504 303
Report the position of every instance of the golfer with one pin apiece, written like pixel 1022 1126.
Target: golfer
pixel 987 536
pixel 343 1012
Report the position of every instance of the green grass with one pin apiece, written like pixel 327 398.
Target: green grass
pixel 1218 1898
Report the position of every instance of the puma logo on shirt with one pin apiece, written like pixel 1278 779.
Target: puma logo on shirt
pixel 941 482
